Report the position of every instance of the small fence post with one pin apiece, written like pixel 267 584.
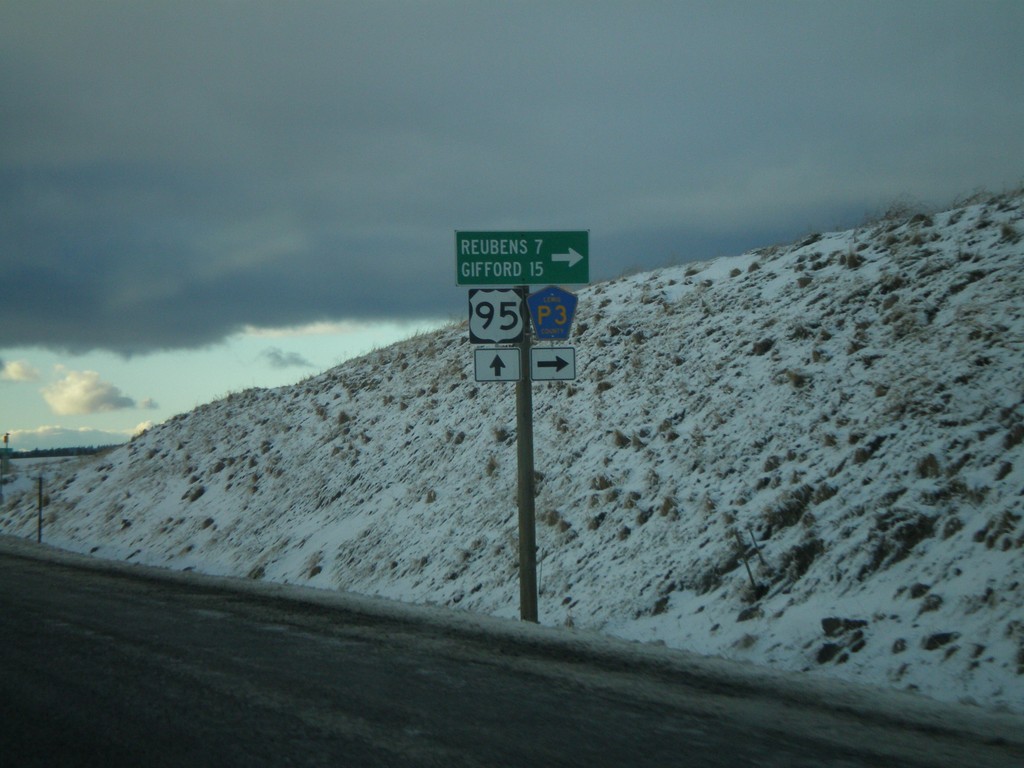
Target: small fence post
pixel 39 524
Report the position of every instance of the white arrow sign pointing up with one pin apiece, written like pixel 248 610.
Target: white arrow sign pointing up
pixel 572 258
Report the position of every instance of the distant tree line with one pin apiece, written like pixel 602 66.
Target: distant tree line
pixel 46 453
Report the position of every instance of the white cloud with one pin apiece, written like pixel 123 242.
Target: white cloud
pixel 83 392
pixel 17 370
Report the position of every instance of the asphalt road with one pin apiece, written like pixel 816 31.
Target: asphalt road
pixel 113 668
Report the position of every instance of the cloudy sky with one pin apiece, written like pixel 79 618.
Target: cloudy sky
pixel 197 197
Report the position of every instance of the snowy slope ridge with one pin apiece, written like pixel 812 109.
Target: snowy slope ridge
pixel 809 457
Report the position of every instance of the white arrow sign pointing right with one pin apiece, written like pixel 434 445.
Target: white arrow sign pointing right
pixel 572 258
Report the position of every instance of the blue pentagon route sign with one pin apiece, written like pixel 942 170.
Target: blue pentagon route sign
pixel 552 310
pixel 522 258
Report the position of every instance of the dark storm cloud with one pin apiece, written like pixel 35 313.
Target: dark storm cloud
pixel 278 358
pixel 172 172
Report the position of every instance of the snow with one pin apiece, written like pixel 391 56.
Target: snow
pixel 843 415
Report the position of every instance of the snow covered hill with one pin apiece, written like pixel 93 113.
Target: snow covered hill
pixel 808 456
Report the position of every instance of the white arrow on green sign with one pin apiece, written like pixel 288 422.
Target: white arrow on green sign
pixel 522 258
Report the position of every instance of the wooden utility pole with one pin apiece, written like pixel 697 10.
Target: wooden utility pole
pixel 515 261
pixel 527 510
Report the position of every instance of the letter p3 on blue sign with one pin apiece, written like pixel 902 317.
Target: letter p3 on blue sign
pixel 552 310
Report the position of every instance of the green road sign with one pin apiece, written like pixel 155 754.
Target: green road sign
pixel 522 258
